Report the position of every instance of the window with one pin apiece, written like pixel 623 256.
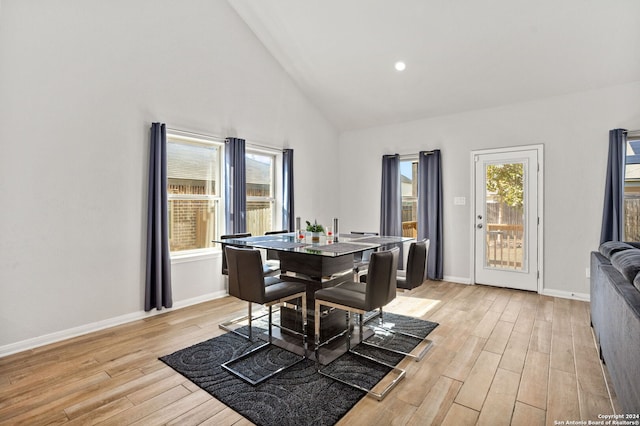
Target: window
pixel 409 189
pixel 261 200
pixel 193 187
pixel 631 211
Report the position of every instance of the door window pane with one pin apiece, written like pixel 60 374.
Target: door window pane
pixel 504 216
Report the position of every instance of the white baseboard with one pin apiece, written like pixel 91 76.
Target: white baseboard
pixel 457 280
pixel 59 336
pixel 584 297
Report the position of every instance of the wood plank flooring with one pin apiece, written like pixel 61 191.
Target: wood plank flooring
pixel 499 357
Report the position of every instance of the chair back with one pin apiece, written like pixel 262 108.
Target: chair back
pixel 363 256
pixel 417 263
pixel 282 231
pixel 225 268
pixel 246 281
pixel 381 278
pixel 273 254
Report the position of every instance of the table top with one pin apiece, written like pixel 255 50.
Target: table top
pixel 327 246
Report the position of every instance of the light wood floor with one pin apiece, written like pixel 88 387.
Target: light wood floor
pixel 499 357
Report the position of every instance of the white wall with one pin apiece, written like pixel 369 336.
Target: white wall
pixel 80 83
pixel 574 131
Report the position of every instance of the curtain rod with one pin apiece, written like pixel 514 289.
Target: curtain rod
pixel 200 135
pixel 414 154
pixel 632 133
pixel 219 138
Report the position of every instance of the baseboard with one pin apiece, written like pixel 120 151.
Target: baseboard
pixel 457 280
pixel 59 336
pixel 583 297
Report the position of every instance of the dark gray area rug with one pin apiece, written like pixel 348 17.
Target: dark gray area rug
pixel 298 395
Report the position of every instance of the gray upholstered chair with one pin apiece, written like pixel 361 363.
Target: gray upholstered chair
pixel 416 272
pixel 380 290
pixel 225 268
pixel 361 259
pixel 412 277
pixel 273 260
pixel 247 282
pixel 267 269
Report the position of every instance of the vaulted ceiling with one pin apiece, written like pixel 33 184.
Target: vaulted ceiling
pixel 460 55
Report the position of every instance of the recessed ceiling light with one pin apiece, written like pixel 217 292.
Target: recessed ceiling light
pixel 400 66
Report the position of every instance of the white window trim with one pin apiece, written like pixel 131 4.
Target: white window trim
pixel 276 179
pixel 196 138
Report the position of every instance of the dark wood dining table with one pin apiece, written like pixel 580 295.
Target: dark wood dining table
pixel 325 263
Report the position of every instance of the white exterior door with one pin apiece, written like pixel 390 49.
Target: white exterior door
pixel 507 222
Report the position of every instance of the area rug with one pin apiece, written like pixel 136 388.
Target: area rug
pixel 298 395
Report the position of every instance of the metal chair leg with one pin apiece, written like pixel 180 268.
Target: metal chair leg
pixel 228 366
pixel 398 371
pixel 417 357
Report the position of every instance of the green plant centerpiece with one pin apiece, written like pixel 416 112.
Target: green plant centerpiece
pixel 315 230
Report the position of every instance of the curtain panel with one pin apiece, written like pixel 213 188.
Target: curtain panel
pixel 288 214
pixel 158 267
pixel 235 186
pixel 391 197
pixel 430 209
pixel 612 221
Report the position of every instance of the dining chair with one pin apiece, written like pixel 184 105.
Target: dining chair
pixel 273 260
pixel 380 290
pixel 246 282
pixel 416 272
pixel 225 269
pixel 267 268
pixel 361 259
pixel 412 277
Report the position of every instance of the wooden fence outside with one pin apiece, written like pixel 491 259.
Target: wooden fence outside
pixel 504 246
pixel 631 219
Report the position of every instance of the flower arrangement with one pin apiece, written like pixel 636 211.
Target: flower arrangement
pixel 315 227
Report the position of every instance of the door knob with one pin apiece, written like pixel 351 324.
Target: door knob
pixel 479 226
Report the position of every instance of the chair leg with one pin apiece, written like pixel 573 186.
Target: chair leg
pixel 270 324
pixel 228 366
pixel 400 373
pixel 316 333
pixel 226 326
pixel 418 357
pixel 348 330
pixel 250 319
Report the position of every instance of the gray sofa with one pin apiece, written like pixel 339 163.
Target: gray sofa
pixel 615 317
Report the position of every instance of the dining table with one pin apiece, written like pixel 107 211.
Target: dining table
pixel 321 263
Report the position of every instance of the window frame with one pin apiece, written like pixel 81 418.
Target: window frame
pixel 276 182
pixel 412 158
pixel 177 136
pixel 631 137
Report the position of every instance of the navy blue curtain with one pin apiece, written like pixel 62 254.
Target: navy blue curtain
pixel 158 273
pixel 288 216
pixel 612 222
pixel 236 186
pixel 430 209
pixel 391 197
